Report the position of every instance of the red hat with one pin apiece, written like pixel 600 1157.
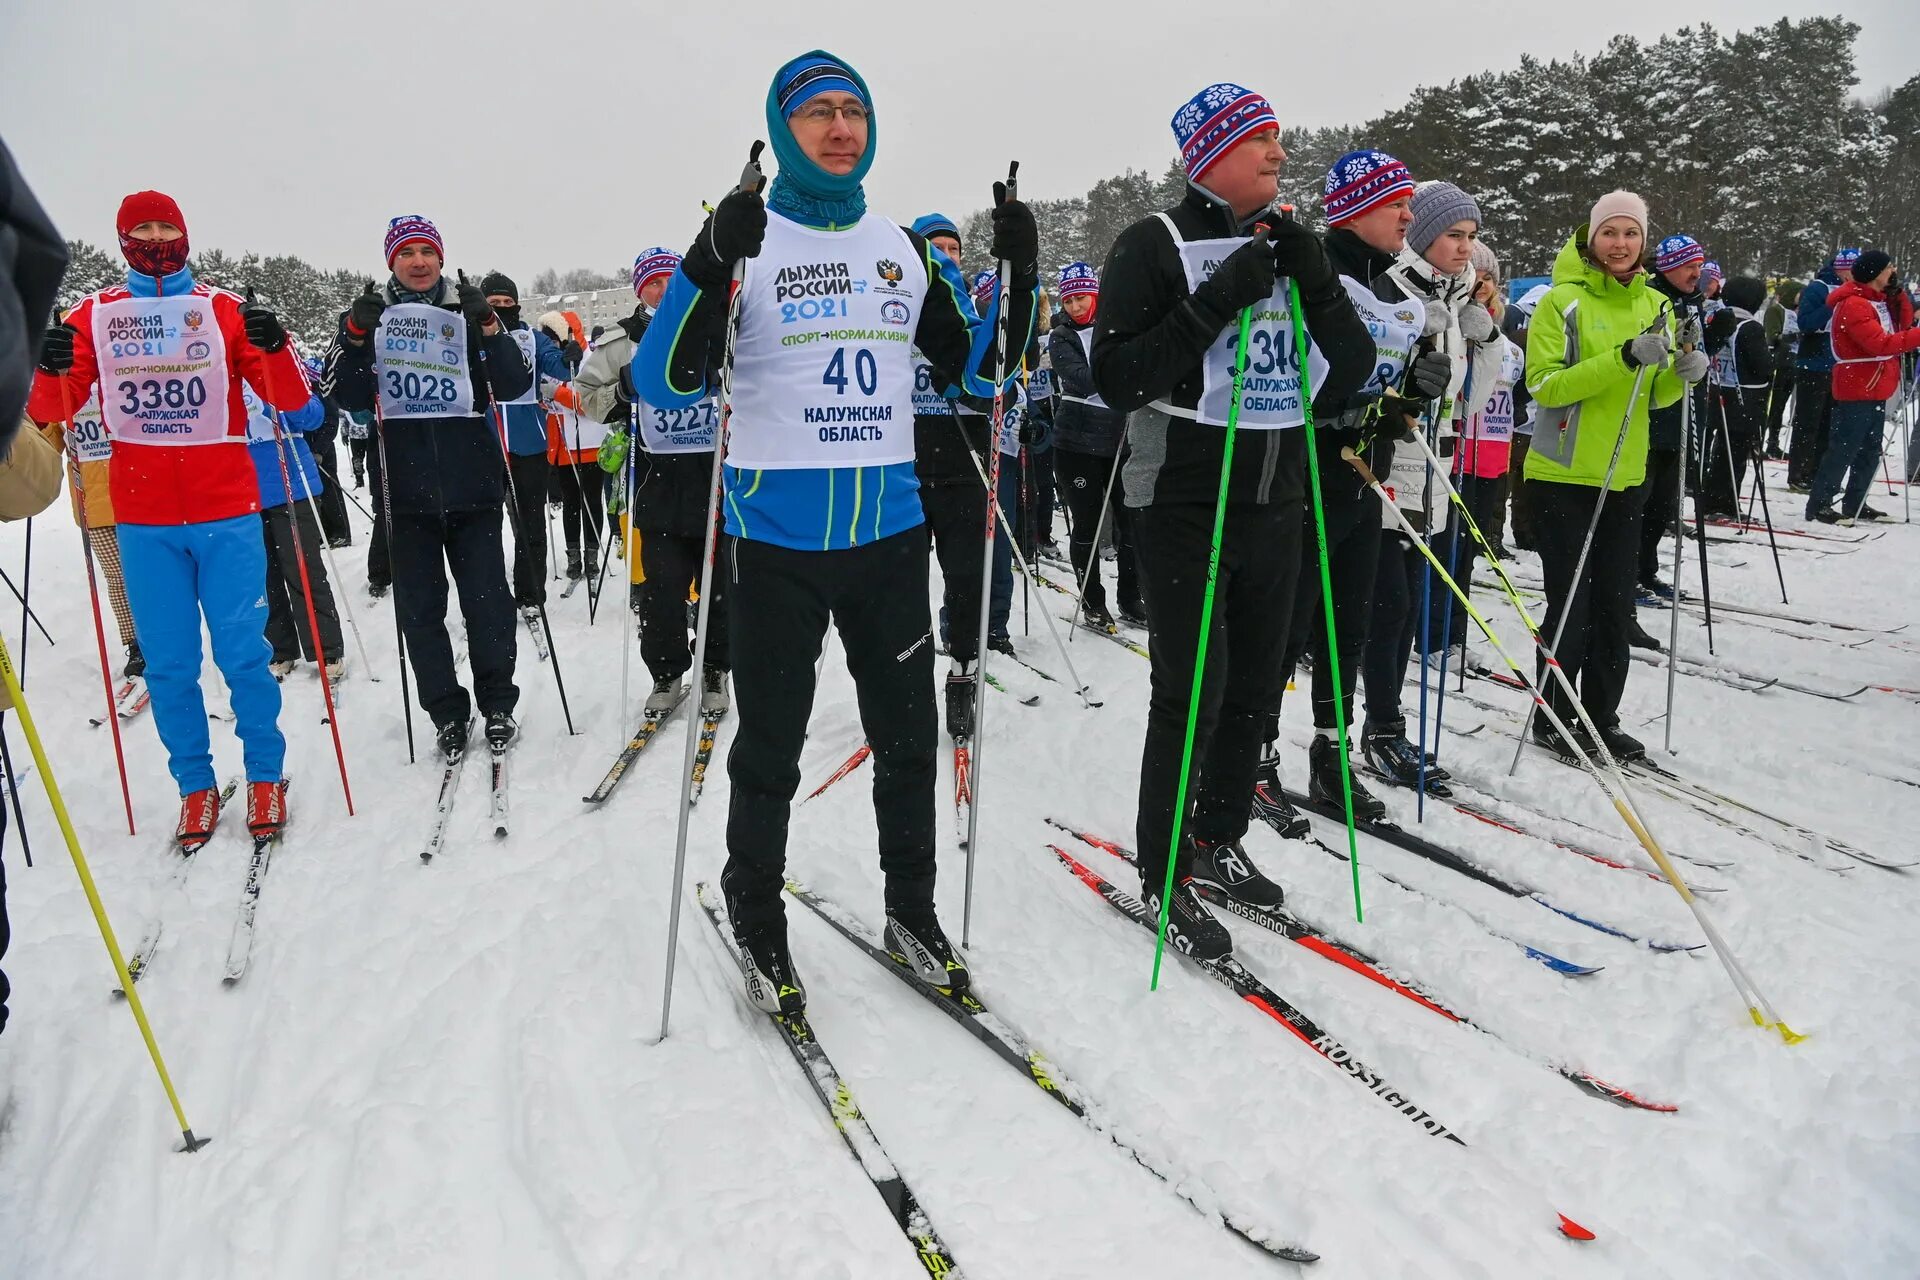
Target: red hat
pixel 147 206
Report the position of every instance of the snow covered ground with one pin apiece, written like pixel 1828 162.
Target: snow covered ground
pixel 452 1070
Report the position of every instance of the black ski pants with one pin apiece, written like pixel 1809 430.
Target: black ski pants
pixel 287 629
pixel 956 522
pixel 331 501
pixel 1396 609
pixel 1519 513
pixel 528 473
pixel 1658 502
pixel 1083 479
pixel 672 566
pixel 1353 549
pixel 1246 641
pixel 1812 417
pixel 782 602
pixel 1732 443
pixel 1598 609
pixel 582 487
pixel 1457 549
pixel 426 545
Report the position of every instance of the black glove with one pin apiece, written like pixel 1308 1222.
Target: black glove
pixel 570 352
pixel 1246 277
pixel 363 317
pixel 56 349
pixel 734 230
pixel 1016 239
pixel 1297 252
pixel 474 305
pixel 1428 375
pixel 1032 430
pixel 264 329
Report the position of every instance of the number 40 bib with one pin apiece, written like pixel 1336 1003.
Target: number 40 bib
pixel 420 359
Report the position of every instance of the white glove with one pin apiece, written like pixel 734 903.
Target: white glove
pixel 1439 318
pixel 1691 366
pixel 1476 323
pixel 1647 349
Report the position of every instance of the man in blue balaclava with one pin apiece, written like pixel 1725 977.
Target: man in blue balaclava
pixel 822 507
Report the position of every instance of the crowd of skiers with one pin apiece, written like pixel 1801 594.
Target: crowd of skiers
pixel 852 375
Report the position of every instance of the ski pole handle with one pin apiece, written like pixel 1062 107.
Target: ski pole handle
pixel 752 177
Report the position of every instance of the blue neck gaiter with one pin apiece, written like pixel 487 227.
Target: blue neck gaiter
pixel 802 190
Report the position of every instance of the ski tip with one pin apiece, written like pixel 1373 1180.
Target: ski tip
pixel 1573 1230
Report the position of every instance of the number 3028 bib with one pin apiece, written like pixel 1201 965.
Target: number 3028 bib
pixel 420 359
pixel 823 364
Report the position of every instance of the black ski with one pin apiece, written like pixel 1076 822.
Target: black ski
pixel 1240 980
pixel 649 726
pixel 832 1091
pixel 966 1008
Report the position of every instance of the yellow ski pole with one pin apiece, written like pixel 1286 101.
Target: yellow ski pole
pixel 12 679
pixel 1615 790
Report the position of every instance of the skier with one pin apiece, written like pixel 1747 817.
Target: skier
pixel 1582 373
pixel 1741 375
pixel 88 443
pixel 523 428
pixel 573 450
pixel 287 629
pixel 949 457
pixel 320 443
pixel 1017 433
pixel 1421 292
pixel 1783 333
pixel 1087 436
pixel 1870 333
pixel 438 363
pixel 1172 292
pixel 1678 263
pixel 821 502
pixel 1516 326
pixel 1813 378
pixel 171 356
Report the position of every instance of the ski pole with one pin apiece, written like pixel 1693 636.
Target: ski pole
pixel 1093 552
pixel 630 624
pixel 1760 487
pixel 393 578
pixel 333 569
pixel 1002 360
pixel 1081 687
pixel 1586 547
pixel 99 628
pixel 1026 522
pixel 26 610
pixel 751 180
pixel 13 791
pixel 60 816
pixel 1606 774
pixel 1446 648
pixel 1679 562
pixel 1426 617
pixel 30 614
pixel 519 528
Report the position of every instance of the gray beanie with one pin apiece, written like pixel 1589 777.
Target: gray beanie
pixel 1484 259
pixel 1437 206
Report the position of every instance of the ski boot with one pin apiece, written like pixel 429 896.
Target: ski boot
pixel 914 937
pixel 714 701
pixel 767 966
pixel 960 701
pixel 378 590
pixel 573 564
pixel 1271 806
pixel 1001 644
pixel 282 667
pixel 199 815
pixel 1387 750
pixel 136 662
pixel 1133 612
pixel 1548 738
pixel 1191 928
pixel 266 808
pixel 1323 782
pixel 452 737
pixel 1224 866
pixel 1624 746
pixel 1095 617
pixel 501 730
pixel 666 695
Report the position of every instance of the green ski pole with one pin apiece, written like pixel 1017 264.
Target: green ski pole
pixel 1326 582
pixel 1206 627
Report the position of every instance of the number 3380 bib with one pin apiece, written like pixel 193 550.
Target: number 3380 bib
pixel 420 359
pixel 163 369
pixel 823 364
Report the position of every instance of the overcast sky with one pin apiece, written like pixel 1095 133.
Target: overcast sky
pixel 540 135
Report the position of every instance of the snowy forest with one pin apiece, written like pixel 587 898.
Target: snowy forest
pixel 1750 142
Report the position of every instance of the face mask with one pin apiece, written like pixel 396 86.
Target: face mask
pixel 509 316
pixel 155 257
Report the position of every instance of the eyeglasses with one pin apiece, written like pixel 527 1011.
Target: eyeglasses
pixel 824 112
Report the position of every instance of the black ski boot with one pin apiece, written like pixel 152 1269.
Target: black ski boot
pixel 1224 866
pixel 1191 928
pixel 1398 760
pixel 1096 617
pixel 960 702
pixel 452 737
pixel 1133 613
pixel 1323 783
pixel 136 662
pixel 1624 746
pixel 378 590
pixel 1548 738
pixel 914 938
pixel 767 966
pixel 1639 638
pixel 1271 806
pixel 501 729
pixel 573 565
pixel 1002 644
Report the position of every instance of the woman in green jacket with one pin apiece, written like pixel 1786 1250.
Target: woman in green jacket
pixel 1597 358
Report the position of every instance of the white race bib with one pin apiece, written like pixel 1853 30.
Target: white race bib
pixel 1270 390
pixel 927 400
pixel 1013 412
pixel 420 359
pixel 259 425
pixel 163 369
pixel 524 339
pixel 1395 327
pixel 87 436
pixel 823 360
pixel 1496 420
pixel 689 429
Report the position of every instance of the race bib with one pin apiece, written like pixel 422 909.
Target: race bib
pixel 927 400
pixel 1012 414
pixel 259 425
pixel 88 439
pixel 420 359
pixel 690 429
pixel 1270 389
pixel 163 369
pixel 525 340
pixel 823 360
pixel 1395 327
pixel 1725 372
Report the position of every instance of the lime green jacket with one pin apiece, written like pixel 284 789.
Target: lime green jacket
pixel 1579 380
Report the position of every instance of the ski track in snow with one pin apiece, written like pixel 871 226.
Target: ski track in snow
pixel 451 1070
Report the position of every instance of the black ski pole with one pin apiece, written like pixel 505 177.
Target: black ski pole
pixel 13 790
pixel 31 615
pixel 1760 484
pixel 393 576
